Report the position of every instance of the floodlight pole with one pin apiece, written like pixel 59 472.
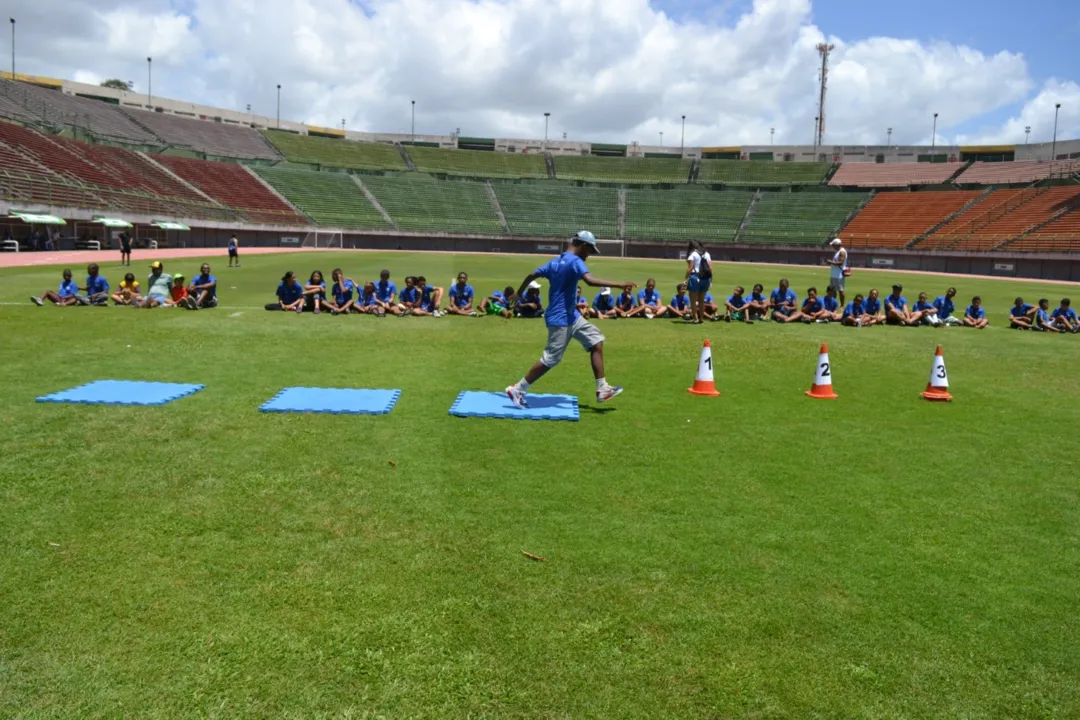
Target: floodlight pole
pixel 661 138
pixel 682 141
pixel 547 117
pixel 1053 145
pixel 933 137
pixel 888 137
pixel 1027 134
pixel 772 131
pixel 149 82
pixel 413 121
pixel 279 106
pixel 12 48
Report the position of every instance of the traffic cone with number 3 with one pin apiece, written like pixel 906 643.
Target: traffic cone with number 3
pixel 822 387
pixel 938 387
pixel 703 382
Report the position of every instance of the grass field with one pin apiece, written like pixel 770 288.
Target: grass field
pixel 758 555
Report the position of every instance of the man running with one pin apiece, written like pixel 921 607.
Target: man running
pixel 563 319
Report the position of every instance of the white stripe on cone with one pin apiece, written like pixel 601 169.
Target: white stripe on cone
pixel 938 377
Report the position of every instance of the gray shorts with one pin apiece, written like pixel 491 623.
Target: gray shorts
pixel 837 282
pixel 559 338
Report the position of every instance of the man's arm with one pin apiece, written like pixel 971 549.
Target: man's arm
pixel 597 282
pixel 525 283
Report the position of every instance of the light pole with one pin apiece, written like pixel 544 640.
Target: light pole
pixel 149 81
pixel 888 136
pixel 682 141
pixel 1027 134
pixel 547 117
pixel 343 124
pixel 414 121
pixel 772 131
pixel 1053 145
pixel 933 136
pixel 816 119
pixel 279 106
pixel 661 138
pixel 12 48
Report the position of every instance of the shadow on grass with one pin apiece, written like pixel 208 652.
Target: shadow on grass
pixel 597 410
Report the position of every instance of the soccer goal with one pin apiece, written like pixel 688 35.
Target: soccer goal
pixel 616 248
pixel 322 239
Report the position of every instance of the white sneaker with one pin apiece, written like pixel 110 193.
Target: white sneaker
pixel 36 301
pixel 648 316
pixel 437 313
pixel 517 396
pixel 607 393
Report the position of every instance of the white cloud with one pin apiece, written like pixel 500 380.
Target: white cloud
pixel 607 70
pixel 1038 114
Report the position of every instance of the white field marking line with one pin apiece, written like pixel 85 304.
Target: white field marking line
pixel 236 314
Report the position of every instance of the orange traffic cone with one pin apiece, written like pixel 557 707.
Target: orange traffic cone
pixel 703 382
pixel 822 387
pixel 938 387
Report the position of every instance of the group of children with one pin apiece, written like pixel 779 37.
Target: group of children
pixel 162 290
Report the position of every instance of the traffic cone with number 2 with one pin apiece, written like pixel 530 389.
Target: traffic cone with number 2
pixel 703 382
pixel 938 387
pixel 822 387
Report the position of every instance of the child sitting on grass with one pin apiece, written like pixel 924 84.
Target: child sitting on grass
pixel 127 293
pixel 64 295
pixel 975 315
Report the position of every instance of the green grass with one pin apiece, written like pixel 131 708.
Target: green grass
pixel 758 555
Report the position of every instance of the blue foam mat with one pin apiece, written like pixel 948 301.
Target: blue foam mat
pixel 350 401
pixel 123 392
pixel 497 405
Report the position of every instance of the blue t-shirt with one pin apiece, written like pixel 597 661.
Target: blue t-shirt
pixel 779 298
pixel 409 295
pixel 811 306
pixel 385 290
pixel 96 284
pixel 68 288
pixel 872 307
pixel 830 303
pixel 945 307
pixel 757 297
pixel 923 305
pixel 626 301
pixel 321 295
pixel 232 243
pixel 707 299
pixel 1068 313
pixel 563 275
pixel 289 294
pixel 343 291
pixel 648 297
pixel 736 301
pixel 604 303
pixel 976 312
pixel 1042 315
pixel 499 296
pixel 203 280
pixel 898 303
pixel 365 299
pixel 1020 311
pixel 460 296
pixel 680 302
pixel 853 309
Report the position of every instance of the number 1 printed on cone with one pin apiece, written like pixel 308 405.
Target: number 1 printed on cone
pixel 822 387
pixel 938 387
pixel 703 382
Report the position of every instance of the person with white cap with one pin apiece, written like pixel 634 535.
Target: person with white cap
pixel 603 305
pixel 530 305
pixel 838 267
pixel 563 319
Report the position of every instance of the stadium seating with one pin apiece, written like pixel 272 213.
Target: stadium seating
pixel 1060 235
pixel 557 210
pixel 685 214
pixel 1043 206
pixel 1021 171
pixel 894 219
pixel 802 217
pixel 624 171
pixel 336 153
pixel 995 205
pixel 47 189
pixel 55 107
pixel 50 152
pixel 879 175
pixel 233 186
pixel 760 173
pixel 330 199
pixel 421 203
pixel 478 163
pixel 205 136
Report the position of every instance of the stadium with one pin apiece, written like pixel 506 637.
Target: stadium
pixel 182 541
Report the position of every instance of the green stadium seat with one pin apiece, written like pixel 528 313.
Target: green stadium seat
pixel 330 199
pixel 422 203
pixel 478 163
pixel 760 173
pixel 685 214
pixel 355 155
pixel 799 218
pixel 558 211
pixel 622 171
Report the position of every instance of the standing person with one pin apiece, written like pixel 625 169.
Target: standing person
pixel 64 295
pixel 203 289
pixel 563 319
pixel 234 251
pixel 838 267
pixel 125 248
pixel 698 278
pixel 158 286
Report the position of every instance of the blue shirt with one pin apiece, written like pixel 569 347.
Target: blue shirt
pixel 830 303
pixel 648 297
pixel 736 301
pixel 871 307
pixel 757 297
pixel 232 243
pixel 923 306
pixel 604 303
pixel 626 301
pixel 563 275
pixel 898 303
pixel 385 290
pixel 203 280
pixel 852 309
pixel 461 296
pixel 779 298
pixel 812 306
pixel 96 284
pixel 707 299
pixel 680 302
pixel 68 288
pixel 320 295
pixel 944 307
pixel 365 299
pixel 410 294
pixel 343 291
pixel 1020 311
pixel 1041 315
pixel 427 298
pixel 1068 313
pixel 289 294
pixel 976 312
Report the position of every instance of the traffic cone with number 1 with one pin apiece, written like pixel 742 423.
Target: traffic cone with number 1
pixel 703 382
pixel 938 387
pixel 822 387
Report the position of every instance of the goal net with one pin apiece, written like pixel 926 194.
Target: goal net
pixel 615 248
pixel 322 239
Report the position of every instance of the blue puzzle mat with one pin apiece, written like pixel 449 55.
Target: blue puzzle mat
pixel 123 392
pixel 333 400
pixel 497 405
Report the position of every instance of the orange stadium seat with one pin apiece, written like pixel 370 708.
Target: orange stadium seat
pixel 894 219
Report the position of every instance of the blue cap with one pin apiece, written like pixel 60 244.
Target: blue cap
pixel 584 236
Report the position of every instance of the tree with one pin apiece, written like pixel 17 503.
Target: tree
pixel 117 84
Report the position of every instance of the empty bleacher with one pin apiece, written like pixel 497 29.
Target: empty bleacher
pixel 422 203
pixel 36 187
pixel 1060 235
pixel 760 173
pixel 233 186
pixel 879 175
pixel 543 210
pixel 623 171
pixel 330 199
pixel 995 205
pixel 205 136
pixel 1044 205
pixel 342 153
pixel 685 214
pixel 799 218
pixel 1020 171
pixel 56 108
pixel 478 163
pixel 894 219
